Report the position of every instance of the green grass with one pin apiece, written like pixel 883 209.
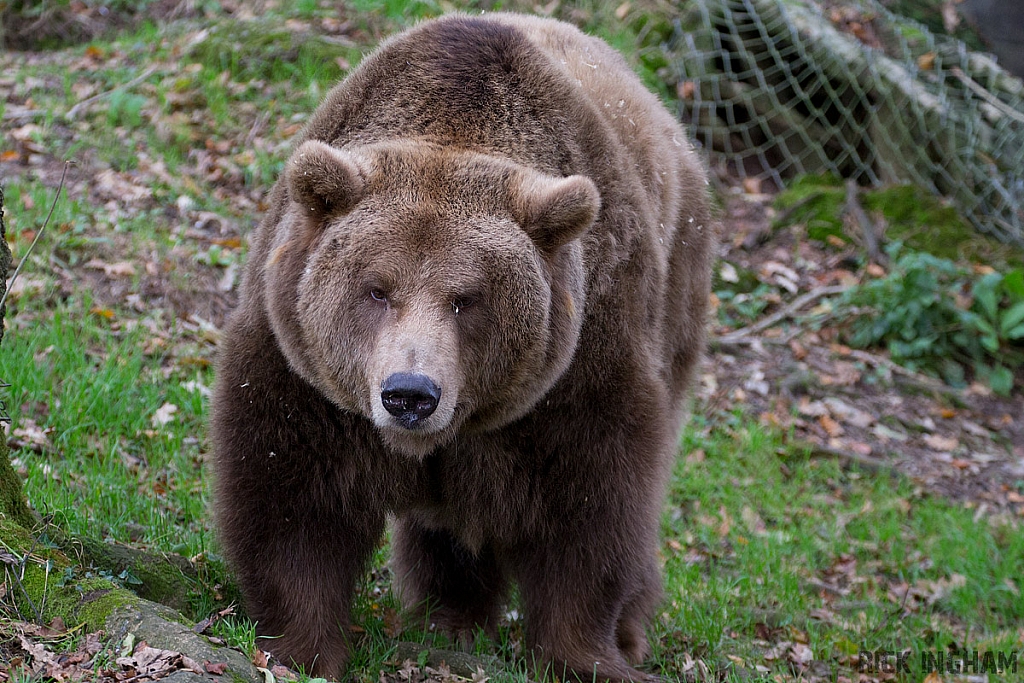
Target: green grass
pixel 107 469
pixel 763 528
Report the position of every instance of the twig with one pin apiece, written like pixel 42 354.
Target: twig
pixel 865 461
pixel 24 259
pixel 856 213
pixel 986 95
pixel 914 378
pixel 73 112
pixel 743 335
pixel 21 114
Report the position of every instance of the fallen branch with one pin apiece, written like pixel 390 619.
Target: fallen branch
pixel 984 94
pixel 869 463
pixel 24 259
pixel 745 335
pixel 915 379
pixel 73 112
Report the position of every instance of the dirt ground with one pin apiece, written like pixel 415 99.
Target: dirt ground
pixel 967 445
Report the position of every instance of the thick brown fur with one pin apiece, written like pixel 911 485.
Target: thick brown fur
pixel 498 204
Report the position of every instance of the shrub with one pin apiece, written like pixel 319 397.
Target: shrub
pixel 937 316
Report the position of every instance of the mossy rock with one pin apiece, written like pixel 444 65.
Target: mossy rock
pixel 46 587
pixel 925 223
pixel 163 628
pixel 911 215
pixel 13 505
pixel 815 201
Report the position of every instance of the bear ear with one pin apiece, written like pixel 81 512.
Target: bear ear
pixel 323 180
pixel 557 210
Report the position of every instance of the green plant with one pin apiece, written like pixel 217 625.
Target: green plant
pixel 935 315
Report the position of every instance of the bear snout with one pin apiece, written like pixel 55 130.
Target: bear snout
pixel 409 397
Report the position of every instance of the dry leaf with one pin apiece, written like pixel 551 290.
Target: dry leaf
pixel 831 427
pixel 800 654
pixel 260 659
pixel 215 668
pixel 119 269
pixel 941 443
pixel 163 415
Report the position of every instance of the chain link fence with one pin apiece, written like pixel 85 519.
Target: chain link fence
pixel 778 88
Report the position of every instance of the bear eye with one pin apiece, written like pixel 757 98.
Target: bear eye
pixel 379 295
pixel 461 303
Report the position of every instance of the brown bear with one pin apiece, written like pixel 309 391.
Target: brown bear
pixel 475 304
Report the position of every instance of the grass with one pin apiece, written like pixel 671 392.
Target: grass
pixel 766 551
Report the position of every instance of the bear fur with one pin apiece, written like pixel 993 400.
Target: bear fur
pixel 494 218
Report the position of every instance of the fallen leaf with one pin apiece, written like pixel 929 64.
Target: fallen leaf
pixel 831 427
pixel 215 668
pixel 102 312
pixel 941 443
pixel 163 415
pixel 283 672
pixel 119 269
pixel 800 654
pixel 40 655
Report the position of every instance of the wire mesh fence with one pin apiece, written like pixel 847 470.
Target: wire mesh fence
pixel 778 88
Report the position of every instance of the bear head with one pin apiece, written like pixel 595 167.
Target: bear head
pixel 429 290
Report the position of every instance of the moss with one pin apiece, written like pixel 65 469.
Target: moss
pixel 924 223
pixel 97 606
pixel 815 201
pixel 46 593
pixel 912 215
pixel 12 499
pixel 165 578
pixel 47 588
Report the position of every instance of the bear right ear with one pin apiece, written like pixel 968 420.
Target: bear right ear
pixel 323 180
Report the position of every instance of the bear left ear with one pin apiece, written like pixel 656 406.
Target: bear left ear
pixel 557 210
pixel 323 180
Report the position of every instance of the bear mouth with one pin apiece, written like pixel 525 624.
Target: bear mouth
pixel 417 437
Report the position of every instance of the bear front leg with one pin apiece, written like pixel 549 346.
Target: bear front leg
pixel 299 594
pixel 436 576
pixel 585 617
pixel 299 512
pixel 630 631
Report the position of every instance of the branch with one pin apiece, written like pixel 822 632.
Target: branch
pixel 743 335
pixel 24 259
pixel 73 112
pixel 986 95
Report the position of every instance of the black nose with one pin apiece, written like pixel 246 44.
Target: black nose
pixel 409 397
